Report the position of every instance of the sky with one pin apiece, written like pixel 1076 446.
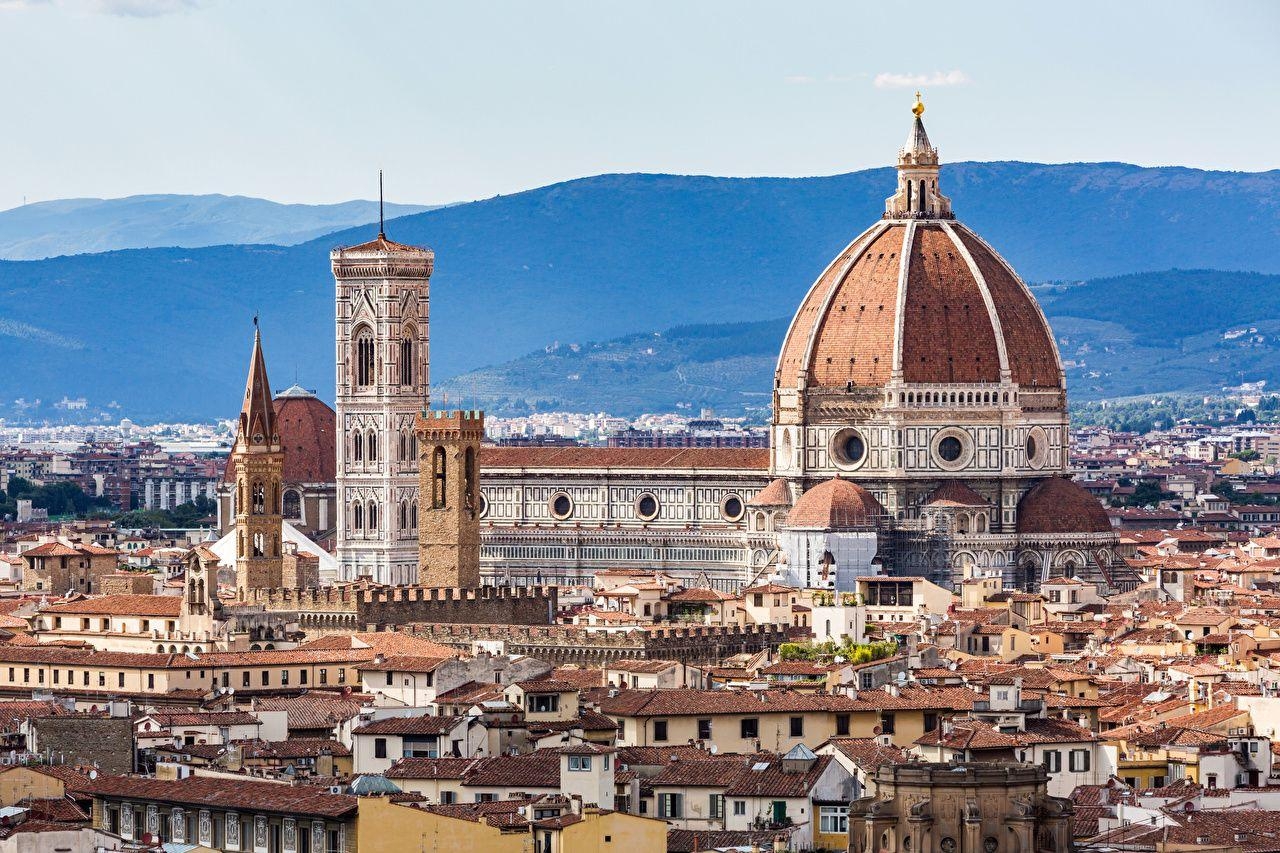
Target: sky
pixel 305 101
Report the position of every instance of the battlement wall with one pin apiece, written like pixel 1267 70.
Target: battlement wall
pixel 393 606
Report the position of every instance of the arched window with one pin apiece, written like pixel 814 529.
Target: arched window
pixel 357 447
pixel 259 545
pixel 275 497
pixel 413 515
pixel 259 499
pixel 373 516
pixel 406 357
pixel 404 446
pixel 357 516
pixel 469 478
pixel 371 446
pixel 909 185
pixel 923 206
pixel 437 478
pixel 292 504
pixel 364 358
pixel 404 515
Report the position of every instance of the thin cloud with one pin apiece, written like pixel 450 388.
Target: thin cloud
pixel 799 79
pixel 890 80
pixel 117 8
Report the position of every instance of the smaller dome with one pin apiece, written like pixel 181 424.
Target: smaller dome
pixel 777 493
pixel 834 504
pixel 1060 505
pixel 372 785
pixel 955 493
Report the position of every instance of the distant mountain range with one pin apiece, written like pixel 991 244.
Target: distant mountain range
pixel 1180 330
pixel 164 333
pixel 75 226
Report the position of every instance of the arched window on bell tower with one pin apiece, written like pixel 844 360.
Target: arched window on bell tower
pixel 259 499
pixel 365 370
pixel 437 478
pixel 406 356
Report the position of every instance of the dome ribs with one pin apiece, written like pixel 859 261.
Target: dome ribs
pixel 947 333
pixel 856 344
pixel 1033 357
pixel 796 347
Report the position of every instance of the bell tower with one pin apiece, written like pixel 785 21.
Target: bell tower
pixel 382 384
pixel 449 486
pixel 258 460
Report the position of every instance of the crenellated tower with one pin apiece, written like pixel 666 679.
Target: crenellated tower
pixel 258 461
pixel 382 384
pixel 449 485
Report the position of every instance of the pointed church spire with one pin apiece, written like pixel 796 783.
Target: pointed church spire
pixel 917 196
pixel 257 414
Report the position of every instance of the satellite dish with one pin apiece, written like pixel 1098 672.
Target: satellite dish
pixel 902 678
pixel 713 749
pixel 93 774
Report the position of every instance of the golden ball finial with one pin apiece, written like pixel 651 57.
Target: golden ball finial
pixel 918 109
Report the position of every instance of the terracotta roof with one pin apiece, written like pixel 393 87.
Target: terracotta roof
pixel 694 840
pixel 1059 505
pixel 403 663
pixel 382 244
pixel 844 330
pixel 835 503
pixel 423 725
pixel 309 747
pixel 750 459
pixel 231 794
pixel 777 493
pixel 120 605
pixel 773 781
pixel 383 643
pixel 312 710
pixel 705 772
pixel 169 719
pixel 955 493
pixel 431 768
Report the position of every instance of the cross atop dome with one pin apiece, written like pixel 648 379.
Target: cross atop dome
pixel 917 196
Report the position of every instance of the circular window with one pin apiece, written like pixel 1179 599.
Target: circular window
pixel 484 505
pixel 849 448
pixel 1037 447
pixel 647 507
pixel 952 449
pixel 731 508
pixel 562 506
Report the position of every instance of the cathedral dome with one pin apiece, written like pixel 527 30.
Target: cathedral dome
pixel 917 298
pixel 306 426
pixel 833 504
pixel 1060 505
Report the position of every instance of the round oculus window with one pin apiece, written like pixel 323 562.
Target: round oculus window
pixel 484 505
pixel 732 508
pixel 849 447
pixel 561 506
pixel 950 449
pixel 647 507
pixel 1031 447
pixel 854 448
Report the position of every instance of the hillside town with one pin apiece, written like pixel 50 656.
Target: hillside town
pixel 915 611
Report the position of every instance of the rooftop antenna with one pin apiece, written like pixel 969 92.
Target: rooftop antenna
pixel 381 229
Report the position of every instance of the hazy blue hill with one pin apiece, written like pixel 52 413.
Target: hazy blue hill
pixel 165 331
pixel 76 225
pixel 1174 331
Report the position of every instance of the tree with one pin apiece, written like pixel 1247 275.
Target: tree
pixel 1148 493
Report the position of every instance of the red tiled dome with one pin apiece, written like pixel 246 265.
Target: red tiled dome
pixel 833 504
pixel 960 306
pixel 1059 505
pixel 306 425
pixel 777 493
pixel 955 493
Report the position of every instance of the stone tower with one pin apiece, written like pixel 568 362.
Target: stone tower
pixel 382 383
pixel 449 507
pixel 258 460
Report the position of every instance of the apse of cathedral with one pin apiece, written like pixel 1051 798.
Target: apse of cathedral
pixel 919 428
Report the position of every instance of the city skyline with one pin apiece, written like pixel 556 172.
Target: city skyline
pixel 523 98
